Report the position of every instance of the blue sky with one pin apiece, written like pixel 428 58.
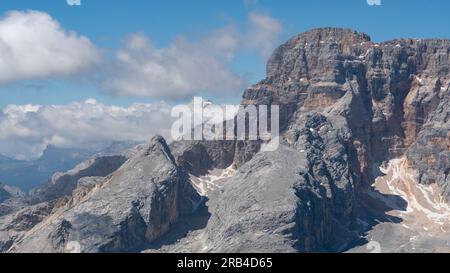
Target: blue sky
pixel 107 22
pixel 157 52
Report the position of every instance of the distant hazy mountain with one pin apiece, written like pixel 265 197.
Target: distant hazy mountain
pixel 7 163
pixel 27 175
pixel 30 174
pixel 116 148
pixel 3 194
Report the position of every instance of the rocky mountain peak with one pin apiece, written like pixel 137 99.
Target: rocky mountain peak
pixel 352 112
pixel 159 143
pixel 303 56
pixel 326 37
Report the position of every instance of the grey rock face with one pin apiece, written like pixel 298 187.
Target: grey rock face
pixel 197 157
pixel 299 198
pixel 257 209
pixel 15 224
pixel 29 217
pixel 430 153
pixel 391 94
pixel 136 204
pixel 11 199
pixel 63 184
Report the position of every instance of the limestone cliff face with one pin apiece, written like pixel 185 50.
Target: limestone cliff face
pixel 122 212
pixel 430 153
pixel 394 95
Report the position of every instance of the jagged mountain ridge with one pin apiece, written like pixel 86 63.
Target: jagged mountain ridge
pixel 348 106
pixel 7 163
pixel 30 174
pixel 121 212
pixel 34 173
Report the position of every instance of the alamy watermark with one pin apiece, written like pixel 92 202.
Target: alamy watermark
pixel 205 121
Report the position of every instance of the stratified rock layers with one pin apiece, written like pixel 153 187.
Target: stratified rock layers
pixel 394 95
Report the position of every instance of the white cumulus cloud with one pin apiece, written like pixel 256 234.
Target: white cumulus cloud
pixel 263 33
pixel 34 46
pixel 178 71
pixel 26 130
pixel 185 67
